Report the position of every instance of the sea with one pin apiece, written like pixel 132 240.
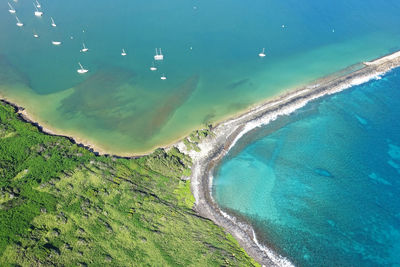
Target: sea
pixel 211 60
pixel 321 186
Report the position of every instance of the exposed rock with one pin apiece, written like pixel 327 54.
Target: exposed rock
pixel 108 258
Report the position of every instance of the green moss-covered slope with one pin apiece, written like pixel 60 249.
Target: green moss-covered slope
pixel 62 205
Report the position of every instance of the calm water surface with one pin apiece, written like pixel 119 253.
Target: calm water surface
pixel 211 59
pixel 322 186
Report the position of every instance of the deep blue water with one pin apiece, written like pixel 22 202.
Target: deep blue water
pixel 322 186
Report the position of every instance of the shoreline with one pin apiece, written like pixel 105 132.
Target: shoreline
pixel 227 133
pixel 79 139
pixel 98 149
pixel 24 116
pixel 74 138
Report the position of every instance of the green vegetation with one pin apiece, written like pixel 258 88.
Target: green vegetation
pixel 198 135
pixel 195 138
pixel 62 205
pixel 191 145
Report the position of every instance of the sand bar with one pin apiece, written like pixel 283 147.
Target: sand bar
pixel 213 149
pixel 226 133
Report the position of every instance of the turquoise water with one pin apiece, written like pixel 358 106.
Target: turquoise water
pixel 322 186
pixel 211 60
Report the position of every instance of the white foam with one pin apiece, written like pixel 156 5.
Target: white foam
pixel 295 106
pixel 275 258
pixel 381 60
pixel 227 128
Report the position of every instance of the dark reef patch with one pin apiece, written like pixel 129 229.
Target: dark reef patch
pixel 237 84
pixel 9 74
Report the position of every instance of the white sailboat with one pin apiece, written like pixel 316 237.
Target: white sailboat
pixel 123 53
pixel 84 49
pixel 159 55
pixel 37 12
pixel 53 24
pixel 262 54
pixel 35 34
pixel 163 77
pixel 81 70
pixel 38 4
pixel 153 68
pixel 12 9
pixel 56 43
pixel 19 23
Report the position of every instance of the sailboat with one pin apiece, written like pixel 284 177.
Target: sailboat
pixel 56 43
pixel 38 4
pixel 262 54
pixel 123 53
pixel 84 49
pixel 35 34
pixel 19 23
pixel 163 77
pixel 159 55
pixel 37 12
pixel 81 70
pixel 53 24
pixel 11 10
pixel 153 68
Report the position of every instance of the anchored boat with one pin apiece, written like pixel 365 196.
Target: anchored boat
pixel 19 23
pixel 262 54
pixel 11 10
pixel 84 49
pixel 159 55
pixel 81 70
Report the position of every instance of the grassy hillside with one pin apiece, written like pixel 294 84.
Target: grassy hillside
pixel 62 205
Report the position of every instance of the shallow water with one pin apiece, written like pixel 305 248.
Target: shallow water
pixel 322 185
pixel 211 60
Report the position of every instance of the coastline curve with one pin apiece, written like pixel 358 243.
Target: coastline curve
pixel 226 134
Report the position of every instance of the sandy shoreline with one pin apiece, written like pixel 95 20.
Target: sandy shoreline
pixel 25 116
pixel 213 149
pixel 74 138
pixel 227 132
